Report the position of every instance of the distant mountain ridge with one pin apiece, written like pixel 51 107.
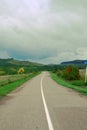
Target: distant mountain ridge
pixel 75 62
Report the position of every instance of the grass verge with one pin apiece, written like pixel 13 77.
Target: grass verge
pixel 60 81
pixel 12 86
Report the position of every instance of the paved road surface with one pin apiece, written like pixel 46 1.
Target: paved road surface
pixel 41 104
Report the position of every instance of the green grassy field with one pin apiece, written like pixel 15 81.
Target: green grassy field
pixel 80 88
pixel 17 80
pixel 4 80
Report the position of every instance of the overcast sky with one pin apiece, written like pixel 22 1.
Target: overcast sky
pixel 46 31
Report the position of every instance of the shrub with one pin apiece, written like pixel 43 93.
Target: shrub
pixel 59 73
pixel 71 73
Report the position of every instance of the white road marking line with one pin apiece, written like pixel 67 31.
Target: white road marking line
pixel 45 107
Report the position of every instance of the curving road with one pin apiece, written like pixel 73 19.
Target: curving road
pixel 41 104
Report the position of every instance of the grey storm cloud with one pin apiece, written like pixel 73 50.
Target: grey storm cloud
pixel 46 31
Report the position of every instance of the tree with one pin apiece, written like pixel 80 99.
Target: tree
pixel 21 70
pixel 71 73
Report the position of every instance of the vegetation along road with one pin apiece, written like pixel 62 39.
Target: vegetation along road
pixel 42 104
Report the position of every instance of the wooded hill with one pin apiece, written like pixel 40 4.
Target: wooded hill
pixel 11 66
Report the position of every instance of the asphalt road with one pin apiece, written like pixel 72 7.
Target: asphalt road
pixel 42 104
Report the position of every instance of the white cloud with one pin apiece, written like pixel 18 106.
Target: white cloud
pixel 82 53
pixel 46 31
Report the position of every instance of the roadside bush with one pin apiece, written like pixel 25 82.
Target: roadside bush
pixel 55 71
pixel 59 73
pixel 71 73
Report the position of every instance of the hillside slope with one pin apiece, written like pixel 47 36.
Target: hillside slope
pixel 12 62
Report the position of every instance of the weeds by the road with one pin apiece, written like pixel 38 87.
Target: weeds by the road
pixel 4 90
pixel 69 85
